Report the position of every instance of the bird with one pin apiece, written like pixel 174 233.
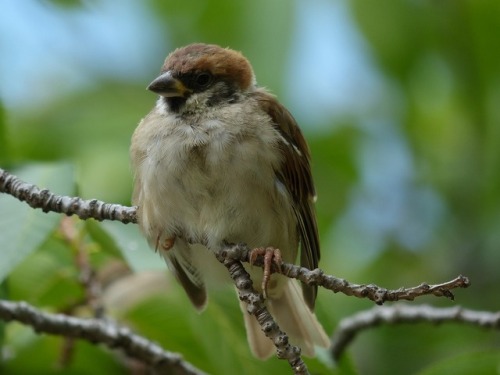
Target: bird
pixel 220 160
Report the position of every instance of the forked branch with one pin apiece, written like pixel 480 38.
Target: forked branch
pixel 230 255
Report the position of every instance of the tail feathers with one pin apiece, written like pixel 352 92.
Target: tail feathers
pixel 260 345
pixel 297 320
pixel 294 317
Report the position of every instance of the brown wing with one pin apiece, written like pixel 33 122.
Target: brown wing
pixel 179 261
pixel 295 174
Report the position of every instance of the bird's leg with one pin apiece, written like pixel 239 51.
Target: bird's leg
pixel 167 243
pixel 271 256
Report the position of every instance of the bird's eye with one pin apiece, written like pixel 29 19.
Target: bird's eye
pixel 203 79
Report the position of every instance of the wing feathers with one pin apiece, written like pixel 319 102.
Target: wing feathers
pixel 295 174
pixel 179 262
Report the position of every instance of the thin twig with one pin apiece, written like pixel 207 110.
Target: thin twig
pixel 87 279
pixel 99 331
pixel 349 327
pixel 231 256
pixel 371 291
pixel 87 275
pixel 98 210
pixel 44 199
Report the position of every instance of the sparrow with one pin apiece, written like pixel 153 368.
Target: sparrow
pixel 219 160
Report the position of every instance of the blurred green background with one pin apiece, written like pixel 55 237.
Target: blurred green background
pixel 399 101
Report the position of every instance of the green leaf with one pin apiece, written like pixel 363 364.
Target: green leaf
pixel 48 277
pixel 484 362
pixel 22 228
pixel 44 354
pixel 68 4
pixel 133 246
pixel 3 136
pixel 345 366
pixel 3 294
pixel 102 237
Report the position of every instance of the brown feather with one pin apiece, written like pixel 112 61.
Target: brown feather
pixel 221 62
pixel 196 293
pixel 295 174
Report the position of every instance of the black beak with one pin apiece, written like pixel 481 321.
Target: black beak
pixel 168 86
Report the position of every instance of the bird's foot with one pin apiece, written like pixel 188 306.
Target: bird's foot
pixel 272 256
pixel 166 244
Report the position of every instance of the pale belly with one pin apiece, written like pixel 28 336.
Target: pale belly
pixel 210 197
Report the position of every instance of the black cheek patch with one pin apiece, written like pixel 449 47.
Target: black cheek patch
pixel 224 94
pixel 175 103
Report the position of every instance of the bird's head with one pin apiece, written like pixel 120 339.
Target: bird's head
pixel 202 75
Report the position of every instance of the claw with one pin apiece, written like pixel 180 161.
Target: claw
pixel 271 256
pixel 168 243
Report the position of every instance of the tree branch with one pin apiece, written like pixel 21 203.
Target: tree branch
pixel 231 256
pixel 349 327
pixel 44 199
pixel 371 291
pixel 99 210
pixel 256 307
pixel 99 331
